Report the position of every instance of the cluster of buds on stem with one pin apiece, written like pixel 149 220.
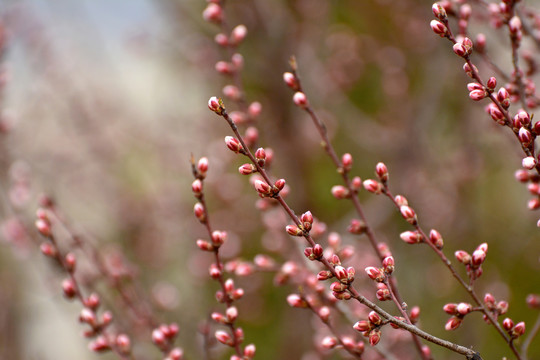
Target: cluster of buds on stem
pixel 473 262
pixel 514 331
pixel 370 328
pixel 458 312
pixel 496 308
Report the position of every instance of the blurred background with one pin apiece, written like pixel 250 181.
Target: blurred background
pixel 104 102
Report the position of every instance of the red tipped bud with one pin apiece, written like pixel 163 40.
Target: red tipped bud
pixel 48 249
pixel 373 186
pixel 528 163
pixel 382 172
pixel 223 337
pixel 340 192
pixel 362 326
pixel 341 274
pixel 294 230
pixel 411 237
pixel 197 186
pixel 408 214
pixel 233 144
pixel 329 342
pixel 249 351
pixel 213 13
pixel 324 313
pixel 300 100
pixel 478 257
pixel 463 257
pixel 198 209
pixel 202 165
pixel 452 323
pixel 280 184
pixel 291 80
pixel 508 324
pixel 450 308
pixel 519 329
pixel 262 187
pixel 295 300
pixel 238 34
pixel 439 11
pixel 491 83
pixel 347 161
pixel 502 307
pixel 525 136
pixel 533 301
pixel 374 337
pixel 324 275
pixel 401 200
pixel 477 95
pixel 503 97
pixel 464 308
pixel 415 314
pixel 216 105
pixel 247 169
pixel 69 288
pixel 436 239
pixel 388 265
pixel 375 274
pixel 374 318
pixel 44 227
pixel 438 28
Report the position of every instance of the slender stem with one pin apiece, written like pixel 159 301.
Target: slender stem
pixel 528 340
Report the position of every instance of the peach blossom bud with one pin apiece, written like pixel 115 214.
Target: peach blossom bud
pixel 477 95
pixel 223 337
pixel 528 163
pixel 415 314
pixel 460 50
pixel 92 302
pixel 341 274
pixel 452 323
pixel 244 269
pixel 465 11
pixel 232 92
pixel 123 343
pixel 382 292
pixel 382 172
pixel 519 329
pixel 533 301
pixel 196 186
pixel 514 25
pixel 294 230
pixel 450 308
pixel 238 34
pixel 88 316
pixel 347 161
pixel 237 60
pixel 373 186
pixel 474 86
pixel 340 192
pixel 463 257
pixel 237 294
pixel 401 200
pixel 204 245
pixel 213 13
pixel 214 271
pixel 255 109
pixel 324 313
pixel 408 214
pixel 291 80
pixel 262 187
pixel 388 265
pixel 348 342
pixel 295 300
pixel 176 354
pixel 384 250
pixel 439 11
pixel 357 227
pixel 300 100
pixel 100 344
pixel 470 70
pixel 502 307
pixel 491 83
pixel 338 287
pixel 329 342
pixel 48 249
pixel 489 300
pixel 480 43
pixel 216 105
pixel 307 219
pixel 356 183
pixel 438 28
pixel 233 144
pixel 411 237
pixel 341 295
pixel 221 39
pixel 334 260
pixel 106 318
pixel 508 324
pixel 198 209
pixel 247 169
pixel 478 257
pixel 374 318
pixel 280 184
pixel 263 261
pixel 202 165
pixel 249 351
pixel 260 154
pixel 218 237
pixel 44 227
pixel 525 136
pixel 503 97
pixel 464 308
pixel 436 239
pixel 69 288
pixel 533 204
pixel 231 314
pixel 495 113
pixel 534 188
pixel 362 326
pixel 324 275
pixel 374 337
pixel 375 274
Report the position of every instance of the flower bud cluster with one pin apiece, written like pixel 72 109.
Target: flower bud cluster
pixel 164 336
pixel 473 262
pixel 370 328
pixel 458 312
pixel 496 308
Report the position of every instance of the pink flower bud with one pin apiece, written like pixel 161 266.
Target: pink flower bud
pixel 502 307
pixel 213 13
pixel 464 308
pixel 408 214
pixel 291 81
pixel 401 200
pixel 514 25
pixel 329 342
pixel 260 154
pixel 375 274
pixel 324 313
pixel 88 316
pixel 436 239
pixel 362 326
pixel 48 249
pixel 231 314
pixel 519 329
pixel 69 288
pixel 340 192
pixel 474 86
pixel 477 95
pixel 216 105
pixel 439 11
pixel 374 337
pixel 294 230
pixel 347 161
pixel 533 301
pixel 491 83
pixel 338 287
pixel 176 354
pixel 197 186
pixel 470 70
pixel 382 293
pixel 123 343
pixel 262 187
pixel 533 204
pixel 204 245
pixel 489 300
pixel 280 184
pixel 238 34
pixel 356 183
pixel 247 169
pixel 341 274
pixel 237 60
pixel 202 165
pixel 218 237
pixel 382 172
pixel 480 43
pixel 411 237
pixel 249 351
pixel 221 39
pixel 438 28
pixel 255 109
pixel 324 275
pixel 478 257
pixel 233 144
pixel 374 318
pixel 452 323
pixel 223 337
pixel 373 186
pixel 415 314
pixel 357 227
pixel 525 136
pixel 300 100
pixel 463 257
pixel 528 163
pixel 198 209
pixel 503 97
pixel 44 227
pixel 295 300
pixel 450 308
pixel 388 265
pixel 508 324
pixel 460 50
pixel 494 112
pixel 100 344
pixel 92 302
